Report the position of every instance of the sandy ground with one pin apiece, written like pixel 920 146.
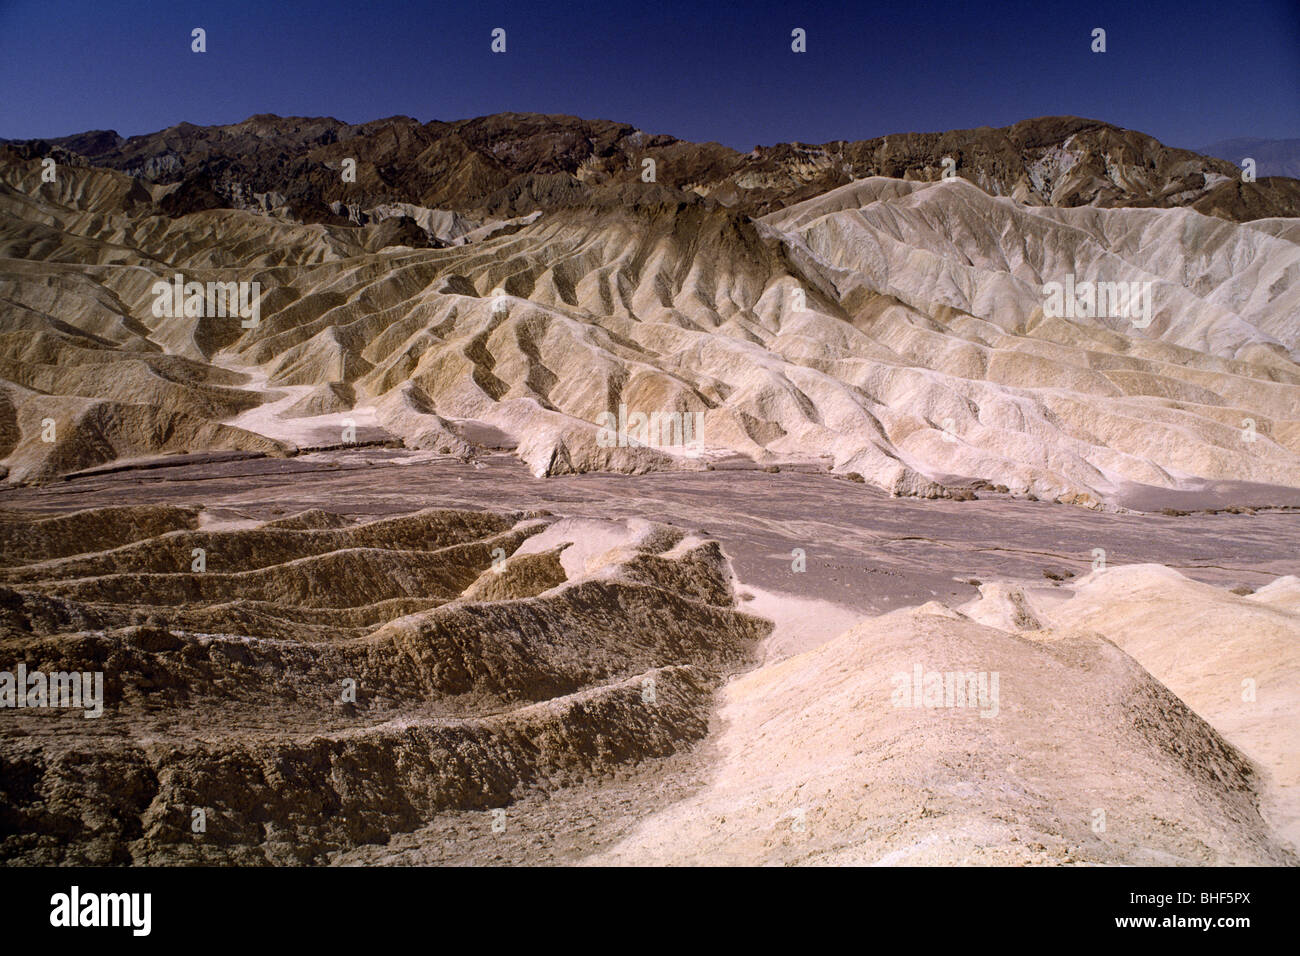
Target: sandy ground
pixel 863 550
pixel 864 554
pixel 800 623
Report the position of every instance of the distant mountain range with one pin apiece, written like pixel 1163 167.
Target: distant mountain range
pixel 511 164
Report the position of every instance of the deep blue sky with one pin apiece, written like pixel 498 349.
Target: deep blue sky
pixel 1187 72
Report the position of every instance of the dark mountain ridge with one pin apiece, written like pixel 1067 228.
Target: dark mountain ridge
pixel 511 164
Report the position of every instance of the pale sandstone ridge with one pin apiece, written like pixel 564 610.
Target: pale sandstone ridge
pixel 888 328
pixel 819 760
pixel 1234 659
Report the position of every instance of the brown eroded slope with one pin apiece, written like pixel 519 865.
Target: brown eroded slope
pixel 482 672
pixel 511 164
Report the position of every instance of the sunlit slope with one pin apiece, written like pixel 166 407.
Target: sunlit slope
pixel 888 328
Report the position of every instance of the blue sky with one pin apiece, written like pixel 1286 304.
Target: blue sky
pixel 1188 73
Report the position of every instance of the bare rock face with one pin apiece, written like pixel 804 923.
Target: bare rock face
pixel 321 686
pixel 924 737
pixel 328 689
pixel 897 329
pixel 398 231
pixel 510 164
pixel 327 399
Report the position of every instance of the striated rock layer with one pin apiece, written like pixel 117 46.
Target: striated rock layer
pixel 897 330
pixel 348 681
